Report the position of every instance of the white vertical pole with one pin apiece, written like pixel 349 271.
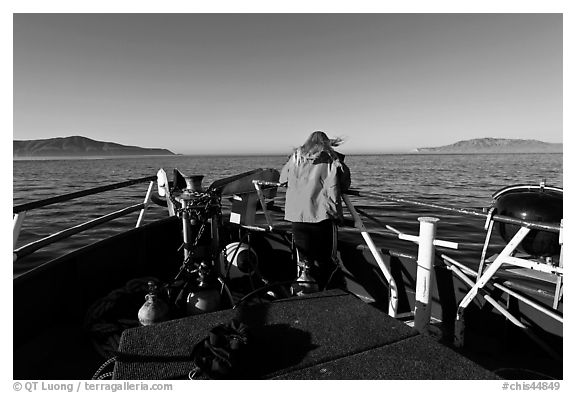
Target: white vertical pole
pixel 186 234
pixel 559 282
pixel 17 227
pixel 393 293
pixel 164 190
pixel 422 307
pixel 146 202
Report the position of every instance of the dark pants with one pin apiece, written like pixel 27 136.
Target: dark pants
pixel 316 244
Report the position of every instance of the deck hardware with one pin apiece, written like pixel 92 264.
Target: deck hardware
pixel 542 183
pixel 426 245
pixel 164 190
pixel 196 210
pixel 416 239
pixel 422 309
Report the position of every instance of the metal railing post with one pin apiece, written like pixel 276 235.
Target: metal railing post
pixel 559 279
pixel 459 324
pixel 503 311
pixel 146 202
pixel 393 289
pixel 17 227
pixel 422 307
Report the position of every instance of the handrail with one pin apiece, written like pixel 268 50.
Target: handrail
pixel 550 227
pixel 20 213
pixel 31 247
pixel 466 270
pixel 502 310
pixel 392 287
pixel 79 194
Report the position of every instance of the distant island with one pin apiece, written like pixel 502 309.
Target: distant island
pixel 495 145
pixel 79 146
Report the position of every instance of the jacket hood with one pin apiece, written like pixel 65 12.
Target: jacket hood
pixel 298 155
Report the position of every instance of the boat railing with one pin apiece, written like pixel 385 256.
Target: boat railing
pixel 427 242
pixel 485 274
pixel 20 212
pixel 550 227
pixel 359 225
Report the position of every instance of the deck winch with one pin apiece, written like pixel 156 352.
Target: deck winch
pixel 198 286
pixel 531 203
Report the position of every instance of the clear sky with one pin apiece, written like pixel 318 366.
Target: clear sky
pixel 260 83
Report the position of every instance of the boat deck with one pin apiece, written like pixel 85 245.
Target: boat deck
pixel 330 335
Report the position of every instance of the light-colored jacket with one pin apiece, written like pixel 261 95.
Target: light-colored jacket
pixel 315 186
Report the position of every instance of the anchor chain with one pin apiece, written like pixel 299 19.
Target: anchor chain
pixel 210 199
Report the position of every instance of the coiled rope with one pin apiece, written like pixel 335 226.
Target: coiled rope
pixel 98 374
pixel 108 317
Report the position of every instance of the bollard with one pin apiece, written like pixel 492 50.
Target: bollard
pixel 422 308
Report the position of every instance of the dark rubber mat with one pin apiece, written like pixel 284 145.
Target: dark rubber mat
pixel 287 337
pixel 414 358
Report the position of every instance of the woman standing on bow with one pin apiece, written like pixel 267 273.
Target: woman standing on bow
pixel 316 177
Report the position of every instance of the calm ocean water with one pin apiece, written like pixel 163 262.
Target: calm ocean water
pixel 465 181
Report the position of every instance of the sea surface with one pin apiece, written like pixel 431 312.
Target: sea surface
pixel 462 181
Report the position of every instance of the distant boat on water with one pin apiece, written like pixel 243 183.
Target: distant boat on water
pixel 78 146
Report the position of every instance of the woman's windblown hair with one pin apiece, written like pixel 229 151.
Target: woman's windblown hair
pixel 316 143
